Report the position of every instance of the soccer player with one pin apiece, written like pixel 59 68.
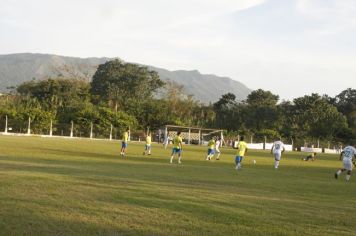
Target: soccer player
pixel 148 144
pixel 211 145
pixel 217 146
pixel 177 147
pixel 348 154
pixel 277 150
pixel 241 151
pixel 312 157
pixel 125 138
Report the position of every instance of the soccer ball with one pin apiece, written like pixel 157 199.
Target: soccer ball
pixel 254 162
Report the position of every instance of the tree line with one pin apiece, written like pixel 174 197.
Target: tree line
pixel 129 95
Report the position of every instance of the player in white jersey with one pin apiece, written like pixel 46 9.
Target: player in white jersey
pixel 217 146
pixel 277 150
pixel 348 154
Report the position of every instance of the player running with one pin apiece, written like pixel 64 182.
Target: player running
pixel 177 147
pixel 211 150
pixel 277 150
pixel 348 154
pixel 148 144
pixel 125 138
pixel 241 151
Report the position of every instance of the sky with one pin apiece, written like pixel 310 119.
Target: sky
pixel 290 47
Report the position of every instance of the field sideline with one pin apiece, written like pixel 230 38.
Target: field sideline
pixel 83 187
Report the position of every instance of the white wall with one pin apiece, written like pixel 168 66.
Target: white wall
pixel 307 149
pixel 259 146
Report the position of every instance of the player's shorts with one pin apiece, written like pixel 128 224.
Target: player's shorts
pixel 124 144
pixel 176 150
pixel 347 164
pixel 238 159
pixel 148 147
pixel 217 150
pixel 211 151
pixel 277 156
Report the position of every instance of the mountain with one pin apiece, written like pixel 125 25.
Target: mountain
pixel 18 68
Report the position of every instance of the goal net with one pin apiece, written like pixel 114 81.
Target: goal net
pixel 191 135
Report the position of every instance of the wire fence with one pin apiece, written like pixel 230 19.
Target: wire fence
pixel 72 129
pixel 108 131
pixel 84 130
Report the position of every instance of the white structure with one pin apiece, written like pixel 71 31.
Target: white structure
pixel 5 131
pixel 267 146
pixel 190 133
pixel 29 126
pixel 51 129
pixel 71 129
pixel 91 130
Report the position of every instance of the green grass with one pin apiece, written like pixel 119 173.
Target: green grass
pixel 83 187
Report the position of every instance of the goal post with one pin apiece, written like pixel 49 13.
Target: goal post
pixel 191 135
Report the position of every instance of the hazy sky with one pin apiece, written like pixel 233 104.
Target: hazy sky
pixel 291 47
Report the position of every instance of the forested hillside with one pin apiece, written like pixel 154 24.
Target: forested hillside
pixel 18 68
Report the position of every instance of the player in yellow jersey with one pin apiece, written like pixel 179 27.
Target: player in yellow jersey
pixel 148 144
pixel 241 151
pixel 177 147
pixel 125 139
pixel 211 149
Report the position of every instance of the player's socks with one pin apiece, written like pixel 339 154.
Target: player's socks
pixel 179 162
pixel 276 164
pixel 338 172
pixel 171 159
pixel 348 177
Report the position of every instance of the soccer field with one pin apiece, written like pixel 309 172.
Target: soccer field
pixel 52 186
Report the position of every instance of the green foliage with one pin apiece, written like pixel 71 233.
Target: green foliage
pixel 40 120
pixel 56 93
pixel 102 118
pixel 317 117
pixel 346 104
pixel 117 82
pixel 228 112
pixel 268 133
pixel 261 117
pixel 122 94
pixel 259 112
pixel 308 117
pixel 8 106
pixel 261 97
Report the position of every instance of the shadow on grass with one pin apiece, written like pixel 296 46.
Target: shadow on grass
pixel 25 223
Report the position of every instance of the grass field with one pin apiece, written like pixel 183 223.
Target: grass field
pixel 83 187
